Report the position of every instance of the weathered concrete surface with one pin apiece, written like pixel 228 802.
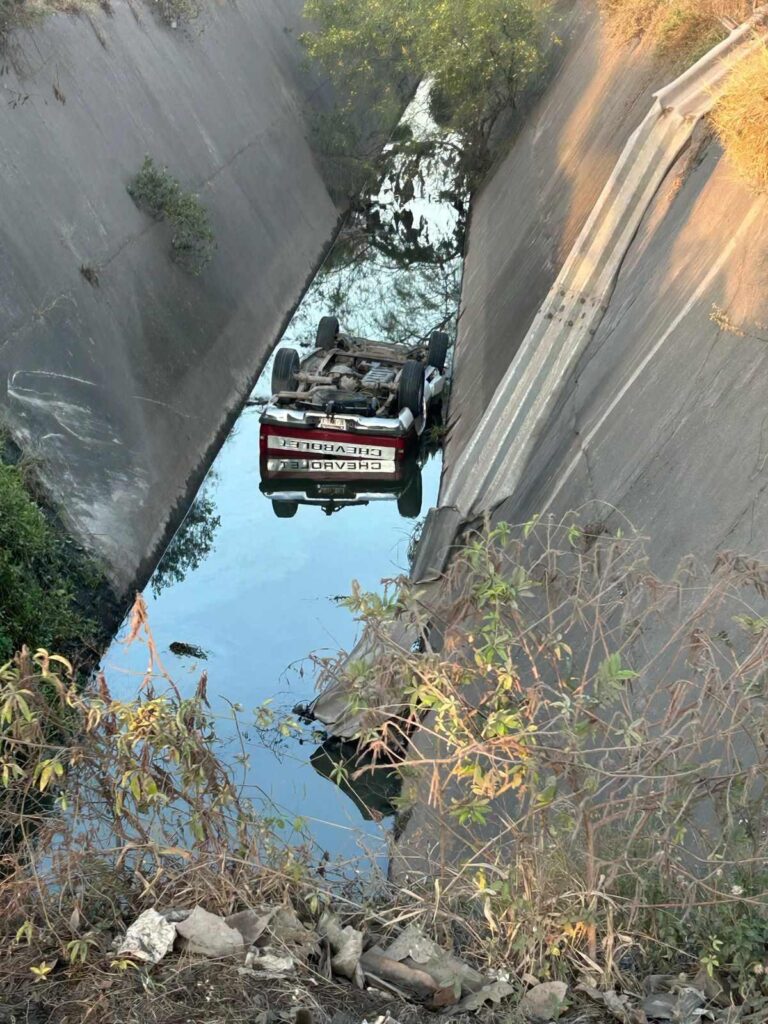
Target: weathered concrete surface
pixel 123 390
pixel 664 417
pixel 495 459
pixel 527 217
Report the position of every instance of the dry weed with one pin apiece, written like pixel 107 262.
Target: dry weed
pixel 679 30
pixel 740 119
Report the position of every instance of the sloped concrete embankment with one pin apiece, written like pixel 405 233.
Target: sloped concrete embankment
pixel 627 388
pixel 122 386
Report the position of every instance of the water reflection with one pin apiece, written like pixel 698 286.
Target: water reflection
pixel 249 580
pixel 332 487
pixel 191 543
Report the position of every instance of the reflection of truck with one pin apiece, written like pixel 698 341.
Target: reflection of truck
pixel 333 483
pixel 341 426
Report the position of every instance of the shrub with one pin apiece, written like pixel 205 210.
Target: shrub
pixel 478 55
pixel 161 196
pixel 740 119
pixel 590 740
pixel 42 576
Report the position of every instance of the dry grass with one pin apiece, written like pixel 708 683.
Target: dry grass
pixel 741 119
pixel 24 14
pixel 679 30
pixel 588 750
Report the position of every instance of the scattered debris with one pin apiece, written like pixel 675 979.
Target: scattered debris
pixel 685 1006
pixel 90 274
pixel 617 1004
pixel 268 964
pixel 250 923
pixel 544 1002
pixel 409 981
pixel 287 930
pixel 209 934
pixel 149 938
pixel 346 946
pixel 413 948
pixel 492 993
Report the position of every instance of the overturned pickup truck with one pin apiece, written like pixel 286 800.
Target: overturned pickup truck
pixel 349 415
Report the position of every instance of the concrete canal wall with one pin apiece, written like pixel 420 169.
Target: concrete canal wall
pixel 122 386
pixel 659 410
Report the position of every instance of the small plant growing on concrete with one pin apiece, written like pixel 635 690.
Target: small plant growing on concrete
pixel 160 195
pixel 176 12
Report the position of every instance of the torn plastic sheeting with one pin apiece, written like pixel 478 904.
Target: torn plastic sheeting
pixel 149 938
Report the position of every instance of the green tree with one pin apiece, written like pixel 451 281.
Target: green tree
pixel 190 546
pixel 478 54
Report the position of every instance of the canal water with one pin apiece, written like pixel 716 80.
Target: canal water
pixel 255 594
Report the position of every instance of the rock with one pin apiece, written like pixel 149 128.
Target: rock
pixel 346 945
pixel 149 938
pixel 286 928
pixel 544 1002
pixel 682 1007
pixel 493 993
pixel 250 923
pixel 183 650
pixel 209 934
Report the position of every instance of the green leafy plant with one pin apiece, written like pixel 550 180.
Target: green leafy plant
pixel 473 58
pixel 162 197
pixel 43 577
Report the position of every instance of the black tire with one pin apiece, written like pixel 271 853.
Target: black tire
pixel 438 350
pixel 327 333
pixel 285 509
pixel 285 370
pixel 409 500
pixel 410 390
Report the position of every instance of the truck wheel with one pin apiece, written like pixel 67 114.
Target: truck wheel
pixel 410 390
pixel 438 350
pixel 285 509
pixel 285 370
pixel 409 501
pixel 327 332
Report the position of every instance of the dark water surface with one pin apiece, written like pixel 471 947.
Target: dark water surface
pixel 255 592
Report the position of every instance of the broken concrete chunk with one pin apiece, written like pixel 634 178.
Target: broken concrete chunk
pixel 544 1002
pixel 250 923
pixel 346 945
pixel 493 993
pixel 149 938
pixel 286 929
pixel 209 935
pixel 414 948
pixel 682 1007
